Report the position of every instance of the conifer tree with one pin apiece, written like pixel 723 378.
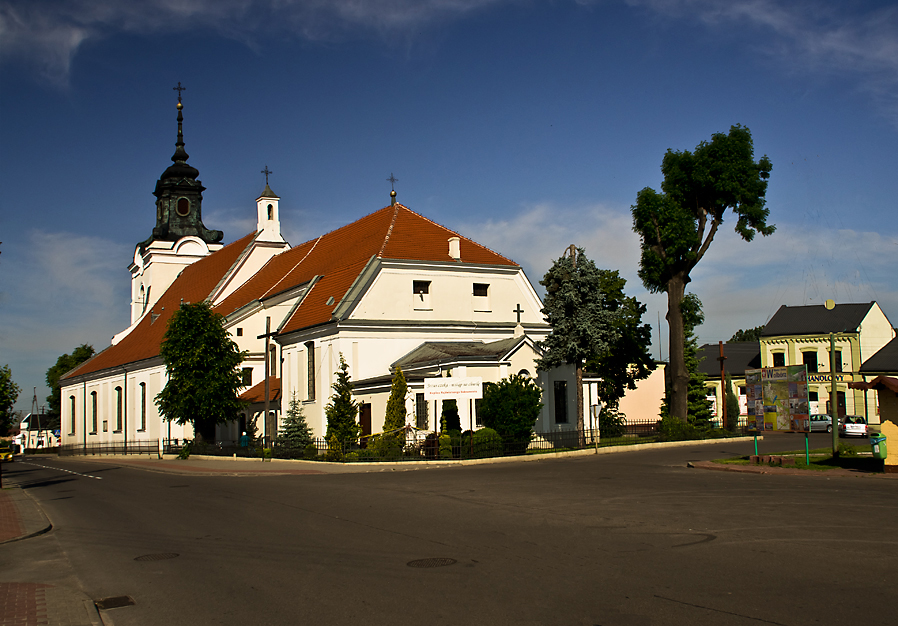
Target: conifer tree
pixel 342 410
pixel 396 413
pixel 295 432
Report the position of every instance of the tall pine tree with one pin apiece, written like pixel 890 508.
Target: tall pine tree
pixel 342 410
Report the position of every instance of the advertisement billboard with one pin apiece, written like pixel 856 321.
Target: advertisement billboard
pixel 778 399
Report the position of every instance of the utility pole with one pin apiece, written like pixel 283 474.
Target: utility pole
pixel 724 389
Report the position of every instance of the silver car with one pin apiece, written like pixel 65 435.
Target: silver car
pixel 821 422
pixel 852 426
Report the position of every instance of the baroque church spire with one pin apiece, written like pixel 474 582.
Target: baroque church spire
pixel 179 196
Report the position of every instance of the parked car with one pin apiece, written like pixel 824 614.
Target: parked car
pixel 852 426
pixel 821 422
pixel 6 454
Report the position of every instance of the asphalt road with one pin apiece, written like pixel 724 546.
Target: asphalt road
pixel 635 538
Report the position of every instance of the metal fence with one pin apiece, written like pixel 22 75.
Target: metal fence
pixel 409 444
pixel 147 446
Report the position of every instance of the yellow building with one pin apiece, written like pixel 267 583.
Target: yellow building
pixel 800 335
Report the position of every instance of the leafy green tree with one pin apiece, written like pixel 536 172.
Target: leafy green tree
pixel 732 405
pixel 9 393
pixel 396 412
pixel 203 375
pixel 583 324
pixel 342 410
pixel 752 334
pixel 677 226
pixel 296 432
pixel 511 408
pixel 64 364
pixel 627 358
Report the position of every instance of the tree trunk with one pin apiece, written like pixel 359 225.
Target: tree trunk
pixel 679 378
pixel 580 425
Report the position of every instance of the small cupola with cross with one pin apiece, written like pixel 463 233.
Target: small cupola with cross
pixel 269 222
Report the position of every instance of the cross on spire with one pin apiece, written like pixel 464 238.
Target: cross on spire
pixel 393 180
pixel 267 171
pixel 179 89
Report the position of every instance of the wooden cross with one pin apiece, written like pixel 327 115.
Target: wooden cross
pixel 518 310
pixel 393 180
pixel 267 171
pixel 179 89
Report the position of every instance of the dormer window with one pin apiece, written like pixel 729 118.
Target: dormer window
pixel 183 207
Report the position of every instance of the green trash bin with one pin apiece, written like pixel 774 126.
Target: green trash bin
pixel 878 443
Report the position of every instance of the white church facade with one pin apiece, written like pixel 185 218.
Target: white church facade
pixel 392 288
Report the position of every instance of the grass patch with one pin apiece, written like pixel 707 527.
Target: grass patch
pixel 848 460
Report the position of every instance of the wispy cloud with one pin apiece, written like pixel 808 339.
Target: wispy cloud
pixel 740 284
pixel 57 291
pixel 827 38
pixel 49 33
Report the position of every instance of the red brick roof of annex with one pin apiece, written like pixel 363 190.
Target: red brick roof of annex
pixel 338 257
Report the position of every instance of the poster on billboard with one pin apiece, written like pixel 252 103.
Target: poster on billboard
pixel 778 399
pixel 453 388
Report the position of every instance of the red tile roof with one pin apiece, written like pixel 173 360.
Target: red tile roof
pixel 256 393
pixel 338 257
pixel 194 284
pixel 394 232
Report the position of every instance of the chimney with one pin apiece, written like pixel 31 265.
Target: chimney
pixel 455 248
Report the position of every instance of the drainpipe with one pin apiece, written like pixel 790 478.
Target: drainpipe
pixel 125 410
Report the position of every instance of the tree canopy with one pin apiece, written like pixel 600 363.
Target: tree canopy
pixel 583 325
pixel 677 226
pixel 627 358
pixel 752 334
pixel 342 410
pixel 9 393
pixel 64 364
pixel 203 376
pixel 511 408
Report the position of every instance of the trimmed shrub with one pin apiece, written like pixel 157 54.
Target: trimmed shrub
pixel 487 442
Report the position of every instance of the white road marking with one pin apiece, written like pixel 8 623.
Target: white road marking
pixel 59 469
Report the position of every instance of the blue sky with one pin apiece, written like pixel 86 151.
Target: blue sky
pixel 525 125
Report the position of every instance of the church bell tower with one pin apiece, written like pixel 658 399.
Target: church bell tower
pixel 179 237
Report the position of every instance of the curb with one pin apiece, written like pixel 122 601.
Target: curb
pixel 783 471
pixel 380 466
pixel 40 526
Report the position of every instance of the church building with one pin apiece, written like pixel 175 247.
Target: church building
pixel 392 288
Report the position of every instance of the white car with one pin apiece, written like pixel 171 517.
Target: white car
pixel 852 426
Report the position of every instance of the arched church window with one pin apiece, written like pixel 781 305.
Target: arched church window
pixel 270 212
pixel 143 299
pixel 183 206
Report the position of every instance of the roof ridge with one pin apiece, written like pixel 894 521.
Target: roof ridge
pixel 288 272
pixel 383 246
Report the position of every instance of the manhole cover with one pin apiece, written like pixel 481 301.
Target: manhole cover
pixel 156 557
pixel 434 562
pixel 115 602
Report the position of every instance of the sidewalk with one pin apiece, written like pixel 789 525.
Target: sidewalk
pixel 29 603
pixel 788 471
